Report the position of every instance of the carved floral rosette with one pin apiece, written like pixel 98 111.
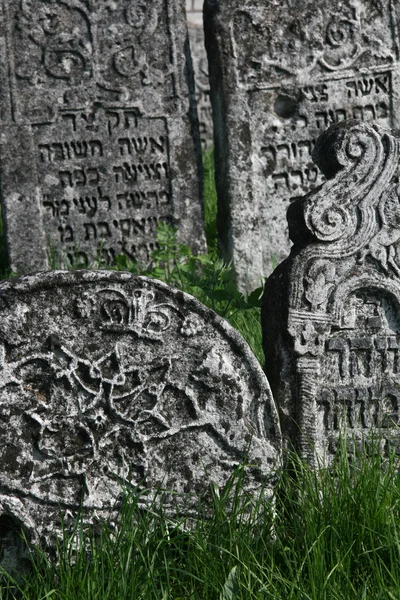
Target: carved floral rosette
pixel 111 382
pixel 331 311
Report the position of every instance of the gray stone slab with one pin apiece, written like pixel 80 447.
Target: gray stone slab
pixel 202 83
pixel 194 13
pixel 99 137
pixel 280 73
pixel 331 311
pixel 109 382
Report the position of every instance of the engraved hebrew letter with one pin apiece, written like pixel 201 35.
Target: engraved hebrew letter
pixel 365 86
pixel 352 88
pixel 105 199
pixel 94 175
pixel 65 178
pixel 80 149
pixel 158 146
pixel 382 111
pixel 281 179
pixel 58 151
pixel 68 150
pixel 164 197
pixel 66 234
pixel 304 147
pixel 45 153
pixel 312 174
pixel 49 204
pixel 96 147
pixel 284 148
pixel 71 118
pixel 340 115
pixel 297 179
pixel 321 119
pixel 124 146
pixel 90 231
pixel 125 226
pixel 381 84
pixel 118 173
pixel 80 205
pixel 80 177
pixel 140 144
pixel 104 229
pixel 64 208
pixel 122 198
pixel 113 120
pixel 369 113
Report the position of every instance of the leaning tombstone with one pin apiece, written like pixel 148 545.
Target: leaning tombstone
pixel 280 74
pixel 99 139
pixel 194 12
pixel 111 382
pixel 331 311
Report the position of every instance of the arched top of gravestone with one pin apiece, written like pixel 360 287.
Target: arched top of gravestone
pixel 110 380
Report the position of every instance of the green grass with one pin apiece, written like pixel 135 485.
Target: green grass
pixel 328 535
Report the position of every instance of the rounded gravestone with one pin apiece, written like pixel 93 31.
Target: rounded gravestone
pixel 109 380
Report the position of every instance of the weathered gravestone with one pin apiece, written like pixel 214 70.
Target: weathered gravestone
pixel 331 311
pixel 110 381
pixel 194 12
pixel 280 74
pixel 98 134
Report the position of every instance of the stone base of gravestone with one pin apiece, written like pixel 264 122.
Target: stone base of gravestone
pixel 111 383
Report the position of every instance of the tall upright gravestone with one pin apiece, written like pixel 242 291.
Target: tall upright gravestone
pixel 194 12
pixel 280 74
pixel 331 311
pixel 98 134
pixel 110 382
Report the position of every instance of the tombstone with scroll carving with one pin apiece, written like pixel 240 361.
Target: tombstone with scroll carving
pixel 110 382
pixel 280 74
pixel 98 135
pixel 331 311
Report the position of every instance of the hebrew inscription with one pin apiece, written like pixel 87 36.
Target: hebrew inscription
pixel 333 360
pixel 106 187
pixel 293 72
pixel 99 142
pixel 111 382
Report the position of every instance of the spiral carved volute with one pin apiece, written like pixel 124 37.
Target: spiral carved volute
pixel 359 161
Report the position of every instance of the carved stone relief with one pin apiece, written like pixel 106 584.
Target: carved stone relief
pixel 99 114
pixel 331 311
pixel 111 382
pixel 281 73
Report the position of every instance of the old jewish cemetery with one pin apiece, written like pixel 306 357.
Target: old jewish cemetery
pixel 143 448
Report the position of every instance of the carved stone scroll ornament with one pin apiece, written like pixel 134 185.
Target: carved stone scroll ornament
pixel 331 311
pixel 111 382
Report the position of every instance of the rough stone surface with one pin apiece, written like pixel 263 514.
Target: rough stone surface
pixel 281 73
pixel 202 84
pixel 109 381
pixel 99 136
pixel 331 311
pixel 194 12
